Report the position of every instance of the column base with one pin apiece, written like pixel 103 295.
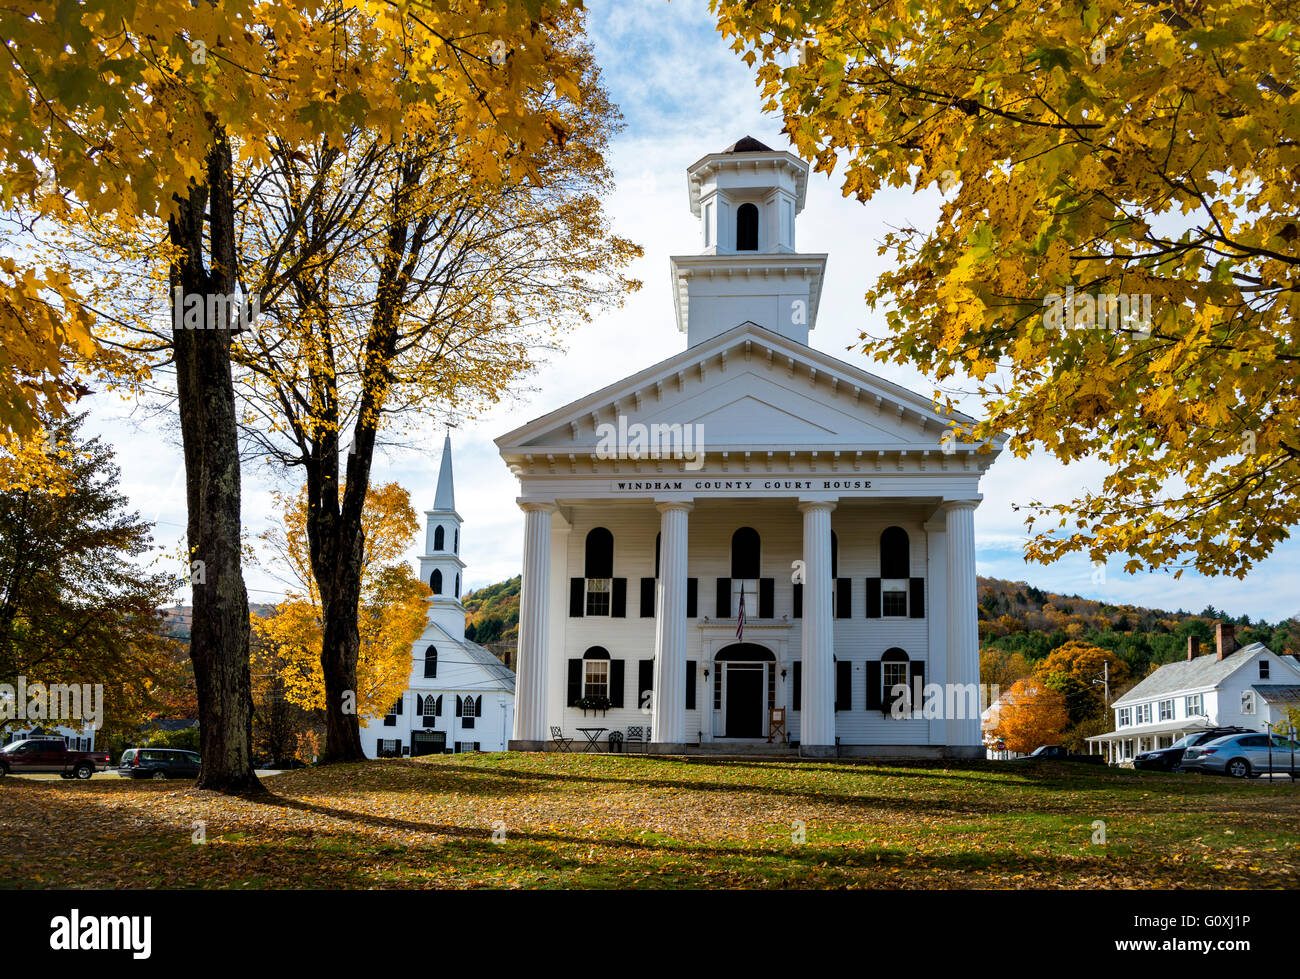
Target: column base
pixel 818 751
pixel 513 745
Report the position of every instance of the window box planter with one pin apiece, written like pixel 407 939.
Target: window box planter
pixel 593 704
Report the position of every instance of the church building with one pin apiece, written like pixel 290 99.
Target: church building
pixel 752 539
pixel 461 697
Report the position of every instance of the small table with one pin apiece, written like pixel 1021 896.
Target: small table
pixel 591 734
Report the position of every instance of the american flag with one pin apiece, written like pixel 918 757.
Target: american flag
pixel 740 619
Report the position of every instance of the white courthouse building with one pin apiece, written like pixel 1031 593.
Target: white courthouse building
pixel 461 697
pixel 835 505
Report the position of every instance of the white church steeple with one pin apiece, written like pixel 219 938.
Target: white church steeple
pixel 440 565
pixel 747 198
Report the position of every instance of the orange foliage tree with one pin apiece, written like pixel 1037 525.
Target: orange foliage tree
pixel 1030 714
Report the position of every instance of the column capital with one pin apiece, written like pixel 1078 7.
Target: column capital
pixel 806 506
pixel 949 505
pixel 664 506
pixel 533 506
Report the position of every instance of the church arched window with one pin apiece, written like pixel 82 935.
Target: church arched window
pixel 458 584
pixel 431 662
pixel 435 581
pixel 747 228
pixel 439 538
pixel 455 545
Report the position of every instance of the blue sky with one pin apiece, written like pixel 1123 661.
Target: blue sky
pixel 683 93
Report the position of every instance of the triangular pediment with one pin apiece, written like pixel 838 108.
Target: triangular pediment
pixel 749 390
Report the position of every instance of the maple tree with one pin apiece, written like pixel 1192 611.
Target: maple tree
pixel 1030 714
pixel 1086 154
pixel 391 608
pixel 126 118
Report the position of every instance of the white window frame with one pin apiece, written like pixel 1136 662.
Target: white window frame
pixel 1248 703
pixel 1124 717
pixel 598 588
pixel 1166 710
pixel 894 586
pixel 887 683
pixel 749 587
pixel 1142 714
pixel 595 676
pixel 1195 704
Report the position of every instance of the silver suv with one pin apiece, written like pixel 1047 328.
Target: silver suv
pixel 1244 755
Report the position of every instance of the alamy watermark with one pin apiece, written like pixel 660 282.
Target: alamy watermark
pixel 1119 312
pixel 656 441
pixel 52 702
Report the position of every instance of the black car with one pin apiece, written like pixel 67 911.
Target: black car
pixel 158 763
pixel 1168 759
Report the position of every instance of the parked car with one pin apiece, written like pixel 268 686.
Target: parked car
pixel 50 755
pixel 1169 759
pixel 1242 755
pixel 1056 752
pixel 158 763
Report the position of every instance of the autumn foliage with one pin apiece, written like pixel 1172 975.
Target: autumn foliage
pixel 1030 714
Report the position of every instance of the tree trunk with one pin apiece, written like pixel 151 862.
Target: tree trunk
pixel 219 635
pixel 341 645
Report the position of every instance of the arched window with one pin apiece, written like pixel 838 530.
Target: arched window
pixel 430 706
pixel 747 228
pixel 893 671
pixel 600 553
pixel 895 559
pixel 745 553
pixel 431 661
pixel 456 541
pixel 595 672
pixel 599 569
pixel 458 584
pixel 439 538
pixel 435 581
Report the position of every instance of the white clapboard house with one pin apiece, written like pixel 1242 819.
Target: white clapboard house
pixel 1251 687
pixel 749 468
pixel 461 697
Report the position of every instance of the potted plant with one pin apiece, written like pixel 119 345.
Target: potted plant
pixel 593 704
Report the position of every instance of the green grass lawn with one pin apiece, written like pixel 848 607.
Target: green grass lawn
pixel 542 821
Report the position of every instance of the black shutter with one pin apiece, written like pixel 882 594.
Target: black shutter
pixel 478 706
pixel 575 681
pixel 692 598
pixel 616 683
pixel 844 598
pixel 379 747
pixel 577 595
pixel 767 598
pixel 437 706
pixel 798 601
pixel 873 683
pixel 723 608
pixel 873 598
pixel 618 608
pixel 460 706
pixel 917 679
pixel 917 610
pixel 401 705
pixel 843 685
pixel 690 684
pixel 647 598
pixel 798 684
pixel 645 680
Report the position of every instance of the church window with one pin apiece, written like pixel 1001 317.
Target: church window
pixel 439 538
pixel 430 706
pixel 747 228
pixel 458 584
pixel 599 570
pixel 431 662
pixel 595 672
pixel 435 581
pixel 455 540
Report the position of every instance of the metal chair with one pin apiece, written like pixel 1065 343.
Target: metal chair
pixel 638 734
pixel 559 740
pixel 615 740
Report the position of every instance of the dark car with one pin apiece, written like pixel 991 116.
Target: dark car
pixel 158 763
pixel 1056 752
pixel 1169 759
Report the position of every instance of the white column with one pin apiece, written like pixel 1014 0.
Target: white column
pixel 817 720
pixel 668 720
pixel 963 616
pixel 534 611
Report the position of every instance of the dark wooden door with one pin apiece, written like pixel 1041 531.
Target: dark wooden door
pixel 744 701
